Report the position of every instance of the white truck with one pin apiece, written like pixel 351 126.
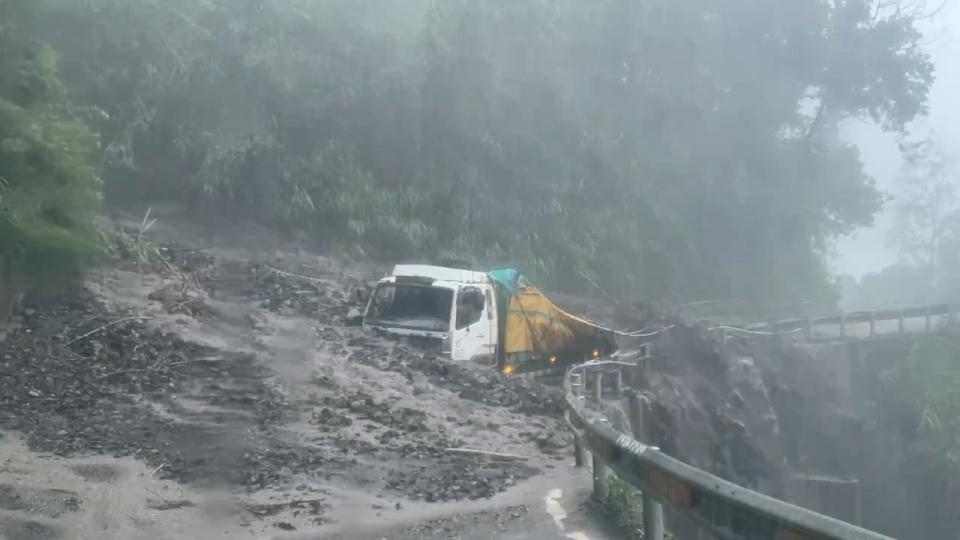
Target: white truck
pixel 497 317
pixel 454 306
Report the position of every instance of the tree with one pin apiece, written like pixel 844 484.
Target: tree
pixel 669 150
pixel 49 192
pixel 927 223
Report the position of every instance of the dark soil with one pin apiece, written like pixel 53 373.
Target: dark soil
pixel 77 379
pixel 482 384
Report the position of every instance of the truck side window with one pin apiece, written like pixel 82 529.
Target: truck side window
pixel 382 301
pixel 470 304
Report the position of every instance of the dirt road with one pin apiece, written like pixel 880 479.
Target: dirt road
pixel 219 395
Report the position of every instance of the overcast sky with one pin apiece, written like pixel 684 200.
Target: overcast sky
pixel 867 250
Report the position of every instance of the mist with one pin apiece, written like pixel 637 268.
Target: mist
pixel 201 199
pixel 873 249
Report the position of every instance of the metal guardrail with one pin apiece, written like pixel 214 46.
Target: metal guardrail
pixel 726 510
pixel 927 313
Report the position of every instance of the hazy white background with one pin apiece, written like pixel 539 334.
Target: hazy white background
pixel 867 250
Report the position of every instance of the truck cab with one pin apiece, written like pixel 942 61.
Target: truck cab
pixel 455 307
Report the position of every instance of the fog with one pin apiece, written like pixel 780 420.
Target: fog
pixel 869 249
pixel 196 196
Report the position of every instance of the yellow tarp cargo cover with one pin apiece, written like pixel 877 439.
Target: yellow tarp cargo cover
pixel 535 325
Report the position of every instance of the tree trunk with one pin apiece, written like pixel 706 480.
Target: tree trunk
pixel 11 291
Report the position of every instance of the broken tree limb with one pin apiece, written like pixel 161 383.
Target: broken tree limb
pixel 298 276
pixel 104 327
pixel 122 372
pixel 156 367
pixel 471 451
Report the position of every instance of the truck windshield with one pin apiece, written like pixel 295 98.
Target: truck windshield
pixel 414 307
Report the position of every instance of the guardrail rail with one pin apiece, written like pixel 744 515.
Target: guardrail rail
pixel 722 508
pixel 870 317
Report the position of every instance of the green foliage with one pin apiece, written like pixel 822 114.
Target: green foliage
pixel 924 395
pixel 626 503
pixel 49 191
pixel 668 150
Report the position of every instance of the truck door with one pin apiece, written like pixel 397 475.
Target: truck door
pixel 474 332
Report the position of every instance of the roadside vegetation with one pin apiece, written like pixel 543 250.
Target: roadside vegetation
pixel 668 151
pixel 49 188
pixel 923 398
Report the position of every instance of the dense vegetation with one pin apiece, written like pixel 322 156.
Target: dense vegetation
pixel 49 190
pixel 667 150
pixel 923 399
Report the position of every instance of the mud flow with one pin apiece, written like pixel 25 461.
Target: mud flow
pixel 219 392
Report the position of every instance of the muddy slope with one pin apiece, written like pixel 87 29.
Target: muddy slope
pixel 230 372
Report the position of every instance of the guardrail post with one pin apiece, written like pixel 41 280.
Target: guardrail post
pixel 601 474
pixel 900 321
pixel 618 384
pixel 635 413
pixel 843 325
pixel 928 319
pixel 601 479
pixel 652 510
pixel 639 413
pixel 873 322
pixel 578 451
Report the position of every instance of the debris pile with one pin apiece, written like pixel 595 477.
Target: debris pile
pixel 482 384
pixel 76 378
pixel 296 292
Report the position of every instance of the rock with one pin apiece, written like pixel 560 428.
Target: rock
pixel 472 394
pixel 354 317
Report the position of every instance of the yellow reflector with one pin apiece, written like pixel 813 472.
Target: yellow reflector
pixel 508 369
pixel 553 359
pixel 596 353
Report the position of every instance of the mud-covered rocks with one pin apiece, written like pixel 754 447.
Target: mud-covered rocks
pixel 289 289
pixel 423 366
pixel 447 477
pixel 77 378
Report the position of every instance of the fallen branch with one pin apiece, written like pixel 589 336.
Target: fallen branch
pixel 156 367
pixel 299 276
pixel 471 451
pixel 122 372
pixel 104 327
pixel 170 267
pixel 197 361
pixel 186 249
pixel 271 509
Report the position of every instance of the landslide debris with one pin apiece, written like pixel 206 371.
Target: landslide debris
pixel 77 378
